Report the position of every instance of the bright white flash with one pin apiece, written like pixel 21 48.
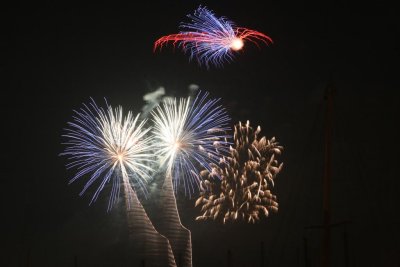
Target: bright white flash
pixel 236 44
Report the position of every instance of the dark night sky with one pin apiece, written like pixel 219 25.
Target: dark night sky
pixel 58 56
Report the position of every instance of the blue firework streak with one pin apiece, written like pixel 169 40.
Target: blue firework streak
pixel 211 40
pixel 190 134
pixel 105 146
pixel 218 29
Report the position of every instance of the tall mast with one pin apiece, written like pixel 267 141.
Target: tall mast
pixel 326 204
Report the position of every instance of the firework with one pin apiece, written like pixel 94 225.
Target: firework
pixel 106 146
pixel 210 39
pixel 189 134
pixel 239 187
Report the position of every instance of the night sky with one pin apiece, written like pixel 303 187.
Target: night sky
pixel 58 56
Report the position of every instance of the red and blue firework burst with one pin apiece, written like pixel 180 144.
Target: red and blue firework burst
pixel 211 40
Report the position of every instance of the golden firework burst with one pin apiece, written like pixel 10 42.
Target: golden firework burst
pixel 239 187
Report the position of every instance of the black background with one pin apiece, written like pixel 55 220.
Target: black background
pixel 59 55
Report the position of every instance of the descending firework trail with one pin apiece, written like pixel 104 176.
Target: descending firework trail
pixel 210 39
pixel 149 246
pixel 239 187
pixel 189 134
pixel 167 222
pixel 106 146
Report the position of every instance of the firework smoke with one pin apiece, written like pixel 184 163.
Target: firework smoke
pixel 239 187
pixel 152 100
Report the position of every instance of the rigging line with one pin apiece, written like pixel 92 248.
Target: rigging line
pixel 300 171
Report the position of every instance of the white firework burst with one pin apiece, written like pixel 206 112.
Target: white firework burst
pixel 189 135
pixel 106 146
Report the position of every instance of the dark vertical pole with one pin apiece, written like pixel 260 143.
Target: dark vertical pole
pixel 262 261
pixel 75 261
pixel 28 258
pixel 327 177
pixel 298 256
pixel 143 263
pixel 346 248
pixel 305 252
pixel 229 259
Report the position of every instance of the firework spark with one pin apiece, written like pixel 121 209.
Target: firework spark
pixel 189 134
pixel 239 187
pixel 210 39
pixel 107 146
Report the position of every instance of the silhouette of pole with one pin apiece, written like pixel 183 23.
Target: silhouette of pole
pixel 262 256
pixel 305 252
pixel 28 258
pixel 346 247
pixel 326 200
pixel 298 256
pixel 326 242
pixel 229 259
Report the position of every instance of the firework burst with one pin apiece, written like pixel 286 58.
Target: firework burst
pixel 105 146
pixel 211 40
pixel 239 187
pixel 189 134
